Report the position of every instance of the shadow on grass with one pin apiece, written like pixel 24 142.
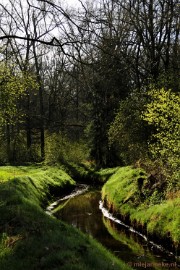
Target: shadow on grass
pixel 30 239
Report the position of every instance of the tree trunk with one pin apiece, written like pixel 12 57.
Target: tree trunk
pixel 8 138
pixel 41 104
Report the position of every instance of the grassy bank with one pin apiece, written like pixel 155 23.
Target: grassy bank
pixel 31 239
pixel 87 173
pixel 136 197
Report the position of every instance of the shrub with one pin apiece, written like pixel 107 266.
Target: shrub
pixel 128 132
pixel 163 114
pixel 61 149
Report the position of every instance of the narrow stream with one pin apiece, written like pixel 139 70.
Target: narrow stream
pixel 84 213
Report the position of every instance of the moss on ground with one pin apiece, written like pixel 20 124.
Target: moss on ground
pixel 133 194
pixel 30 239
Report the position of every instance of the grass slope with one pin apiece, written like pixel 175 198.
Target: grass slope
pixel 129 193
pixel 30 239
pixel 87 173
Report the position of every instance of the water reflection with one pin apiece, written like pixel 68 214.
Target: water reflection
pixel 83 212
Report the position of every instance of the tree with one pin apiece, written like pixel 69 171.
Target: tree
pixel 32 20
pixel 127 133
pixel 163 114
pixel 104 73
pixel 154 35
pixel 13 86
pixel 101 54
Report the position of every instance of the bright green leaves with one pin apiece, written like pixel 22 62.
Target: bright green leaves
pixel 127 131
pixel 163 111
pixel 149 122
pixel 163 114
pixel 13 86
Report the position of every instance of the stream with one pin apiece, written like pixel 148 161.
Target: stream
pixel 83 209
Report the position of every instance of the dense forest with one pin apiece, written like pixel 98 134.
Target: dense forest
pixel 89 129
pixel 97 83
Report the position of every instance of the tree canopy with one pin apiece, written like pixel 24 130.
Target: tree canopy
pixel 163 113
pixel 13 86
pixel 92 68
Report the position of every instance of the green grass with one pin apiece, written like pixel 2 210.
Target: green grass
pixel 125 192
pixel 88 173
pixel 104 174
pixel 164 219
pixel 30 239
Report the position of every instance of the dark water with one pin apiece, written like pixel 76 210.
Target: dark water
pixel 83 212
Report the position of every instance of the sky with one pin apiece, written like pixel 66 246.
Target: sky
pixel 71 3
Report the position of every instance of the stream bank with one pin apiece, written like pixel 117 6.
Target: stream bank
pixel 85 212
pixel 126 195
pixel 30 239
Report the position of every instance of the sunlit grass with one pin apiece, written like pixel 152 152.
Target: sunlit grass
pixel 104 174
pixel 122 194
pixel 30 239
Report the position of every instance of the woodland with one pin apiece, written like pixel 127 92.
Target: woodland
pixel 89 94
pixel 97 83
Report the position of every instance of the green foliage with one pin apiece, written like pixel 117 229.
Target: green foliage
pixel 18 149
pixel 163 114
pixel 156 198
pixel 61 149
pixel 3 152
pixel 104 174
pixel 128 131
pixel 13 86
pixel 32 239
pixel 123 187
pixel 128 191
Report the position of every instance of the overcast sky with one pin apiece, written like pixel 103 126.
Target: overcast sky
pixel 71 3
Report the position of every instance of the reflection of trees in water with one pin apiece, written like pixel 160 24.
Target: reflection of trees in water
pixel 139 249
pixel 81 212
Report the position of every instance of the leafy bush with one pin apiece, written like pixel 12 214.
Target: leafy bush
pixel 16 151
pixel 61 149
pixel 13 86
pixel 163 114
pixel 127 131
